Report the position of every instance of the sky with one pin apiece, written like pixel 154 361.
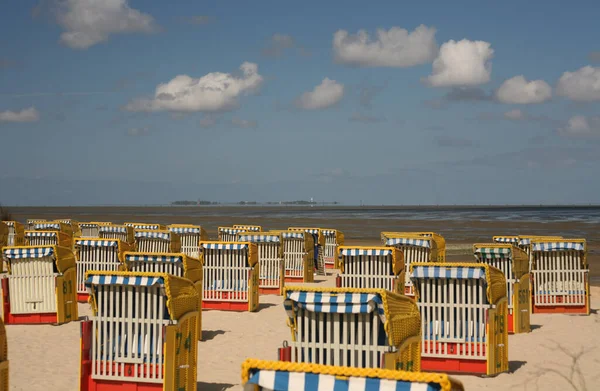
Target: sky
pixel 148 102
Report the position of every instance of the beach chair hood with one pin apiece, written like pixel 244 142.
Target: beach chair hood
pixel 63 257
pixel 555 245
pixel 519 258
pixel 192 267
pixel 251 248
pixel 494 278
pixel 182 296
pixel 399 314
pixel 396 254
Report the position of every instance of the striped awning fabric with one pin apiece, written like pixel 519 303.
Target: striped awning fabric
pixel 43 226
pixel 307 381
pixel 247 228
pixel 259 238
pixel 40 234
pixel 313 231
pixel 493 250
pixel 145 226
pixel 121 280
pixel 153 235
pixel 339 303
pixel 408 242
pixel 108 228
pixel 524 241
pixel 97 243
pixel 31 252
pixel 459 272
pixel 9 223
pixel 65 221
pixel 558 246
pixel 506 240
pixel 292 235
pixel 224 246
pixel 154 258
pixel 328 232
pixel 231 230
pixel 185 230
pixel 353 252
pixel 88 225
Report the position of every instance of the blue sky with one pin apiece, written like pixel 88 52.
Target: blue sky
pixel 431 114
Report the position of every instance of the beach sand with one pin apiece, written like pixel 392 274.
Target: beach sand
pixel 45 357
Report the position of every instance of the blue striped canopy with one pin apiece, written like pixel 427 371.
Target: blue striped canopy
pixel 43 226
pixel 185 230
pixel 31 252
pixel 108 228
pixel 144 226
pixel 454 272
pixel 353 252
pixel 408 242
pixel 247 228
pixel 259 238
pixel 97 243
pixel 292 235
pixel 9 223
pixel 558 246
pixel 88 225
pixel 524 241
pixel 506 240
pixel 153 235
pixel 154 258
pixel 493 250
pixel 231 230
pixel 306 381
pixel 225 246
pixel 328 232
pixel 333 302
pixel 40 234
pixel 122 280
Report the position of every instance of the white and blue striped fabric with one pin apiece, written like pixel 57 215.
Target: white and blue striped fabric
pixel 88 225
pixel 493 250
pixel 122 280
pixel 108 228
pixel 225 246
pixel 408 242
pixel 231 230
pixel 32 252
pixel 558 246
pixel 153 235
pixel 40 234
pixel 453 272
pixel 247 228
pixel 354 252
pixel 313 231
pixel 97 243
pixel 9 223
pixel 292 235
pixel 506 240
pixel 328 232
pixel 338 303
pixel 146 226
pixel 259 238
pixel 154 258
pixel 185 230
pixel 306 381
pixel 43 226
pixel 524 242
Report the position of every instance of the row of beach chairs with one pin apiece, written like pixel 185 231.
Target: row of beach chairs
pixel 400 306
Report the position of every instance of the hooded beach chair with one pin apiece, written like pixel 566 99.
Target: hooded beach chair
pixel 74 224
pixel 146 226
pixel 514 264
pixel 364 328
pixel 99 255
pixel 231 276
pixel 507 239
pixel 463 317
pixel 371 267
pixel 440 242
pixel 40 286
pixel 298 256
pixel 48 238
pixel 92 229
pixel 333 240
pixel 54 226
pixel 16 233
pixel 32 222
pixel 415 248
pixel 191 236
pixel 157 241
pixel 122 232
pixel 524 243
pixel 248 228
pixel 560 276
pixel 142 334
pixel 229 234
pixel 270 260
pixel 319 249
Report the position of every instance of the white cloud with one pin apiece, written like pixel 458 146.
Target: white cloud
pixel 244 123
pixel 581 85
pixel 89 22
pixel 515 115
pixel 325 95
pixel 25 115
pixel 517 90
pixel 212 92
pixel 462 64
pixel 581 126
pixel 396 47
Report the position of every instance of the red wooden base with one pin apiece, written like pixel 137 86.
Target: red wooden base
pixel 511 323
pixel 30 318
pixel 453 365
pixel 269 291
pixel 560 309
pixel 329 265
pixel 82 297
pixel 294 280
pixel 225 305
pixel 90 384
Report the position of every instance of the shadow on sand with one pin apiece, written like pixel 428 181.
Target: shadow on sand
pixel 207 335
pixel 201 386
